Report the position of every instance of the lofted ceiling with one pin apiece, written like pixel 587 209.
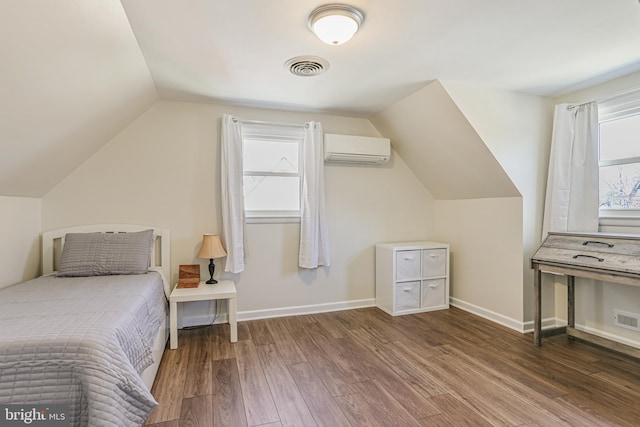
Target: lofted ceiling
pixel 75 72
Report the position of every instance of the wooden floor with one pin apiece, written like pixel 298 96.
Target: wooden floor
pixel 365 368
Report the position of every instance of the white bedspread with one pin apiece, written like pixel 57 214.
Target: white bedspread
pixel 81 341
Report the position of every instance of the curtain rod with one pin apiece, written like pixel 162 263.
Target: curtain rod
pixel 606 98
pixel 617 94
pixel 261 122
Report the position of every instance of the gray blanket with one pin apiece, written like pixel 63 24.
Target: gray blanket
pixel 81 341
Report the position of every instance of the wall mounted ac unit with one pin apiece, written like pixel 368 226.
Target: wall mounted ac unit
pixel 356 149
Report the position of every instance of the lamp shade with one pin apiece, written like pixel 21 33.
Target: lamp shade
pixel 335 23
pixel 211 247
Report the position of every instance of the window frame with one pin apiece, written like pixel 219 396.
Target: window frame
pixel 273 132
pixel 616 108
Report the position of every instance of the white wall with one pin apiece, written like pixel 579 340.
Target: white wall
pixel 163 170
pixel 486 255
pixel 595 301
pixel 20 222
pixel 501 141
pixel 516 128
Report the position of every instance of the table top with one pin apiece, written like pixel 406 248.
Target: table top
pixel 222 290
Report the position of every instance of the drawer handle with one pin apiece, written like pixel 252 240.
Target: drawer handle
pixel 433 286
pixel 434 255
pixel 588 256
pixel 595 242
pixel 408 258
pixel 407 289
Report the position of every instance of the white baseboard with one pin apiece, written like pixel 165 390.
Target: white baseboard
pixel 305 309
pixel 498 318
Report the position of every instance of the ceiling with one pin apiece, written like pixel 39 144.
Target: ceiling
pixel 74 73
pixel 234 51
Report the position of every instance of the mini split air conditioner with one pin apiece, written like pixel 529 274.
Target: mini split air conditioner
pixel 356 149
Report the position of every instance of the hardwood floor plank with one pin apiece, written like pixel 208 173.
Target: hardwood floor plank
pixel 384 406
pixel 228 404
pixel 334 379
pixel 604 413
pixel 168 388
pixel 372 359
pixel 453 412
pixel 196 412
pixel 172 423
pixel 243 331
pixel 340 354
pixel 292 408
pixel 365 368
pixel 515 369
pixel 492 402
pixel 198 382
pixel 258 401
pixel 323 408
pixel 287 347
pixel 260 334
pixel 221 346
pixel 524 390
pixel 358 411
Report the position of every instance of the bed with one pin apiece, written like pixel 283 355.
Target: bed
pixel 91 331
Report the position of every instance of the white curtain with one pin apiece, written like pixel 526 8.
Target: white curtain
pixel 572 186
pixel 233 219
pixel 314 235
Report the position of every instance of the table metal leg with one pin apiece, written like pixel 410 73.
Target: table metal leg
pixel 537 309
pixel 571 302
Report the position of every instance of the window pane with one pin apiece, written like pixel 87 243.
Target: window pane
pixel 270 156
pixel 271 193
pixel 620 138
pixel 620 186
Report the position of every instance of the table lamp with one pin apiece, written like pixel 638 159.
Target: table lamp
pixel 211 248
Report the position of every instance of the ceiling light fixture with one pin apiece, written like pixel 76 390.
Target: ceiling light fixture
pixel 335 23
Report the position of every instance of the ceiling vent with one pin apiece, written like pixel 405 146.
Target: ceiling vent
pixel 307 66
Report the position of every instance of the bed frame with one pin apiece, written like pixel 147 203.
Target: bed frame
pixel 53 242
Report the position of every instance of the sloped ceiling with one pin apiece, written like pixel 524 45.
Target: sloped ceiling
pixel 72 76
pixel 441 147
pixel 73 73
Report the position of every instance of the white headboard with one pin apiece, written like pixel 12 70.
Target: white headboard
pixel 159 261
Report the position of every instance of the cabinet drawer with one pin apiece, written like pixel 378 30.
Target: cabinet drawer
pixel 407 296
pixel 407 265
pixel 433 293
pixel 434 262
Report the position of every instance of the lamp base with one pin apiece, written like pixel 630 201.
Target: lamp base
pixel 212 268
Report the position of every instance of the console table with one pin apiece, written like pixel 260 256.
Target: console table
pixel 613 258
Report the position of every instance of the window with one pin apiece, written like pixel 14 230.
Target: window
pixel 272 170
pixel 619 157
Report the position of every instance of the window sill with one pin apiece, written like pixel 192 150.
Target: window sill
pixel 272 219
pixel 620 221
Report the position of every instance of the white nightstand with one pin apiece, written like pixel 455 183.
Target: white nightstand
pixel 224 289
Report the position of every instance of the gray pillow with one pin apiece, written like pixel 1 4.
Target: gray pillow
pixel 102 254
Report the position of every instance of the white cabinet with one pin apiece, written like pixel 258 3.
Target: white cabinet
pixel 412 277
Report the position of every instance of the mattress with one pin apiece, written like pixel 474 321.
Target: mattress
pixel 82 341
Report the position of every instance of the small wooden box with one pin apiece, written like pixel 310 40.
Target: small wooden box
pixel 189 276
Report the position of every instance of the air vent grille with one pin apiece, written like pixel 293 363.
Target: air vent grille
pixel 306 66
pixel 626 320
